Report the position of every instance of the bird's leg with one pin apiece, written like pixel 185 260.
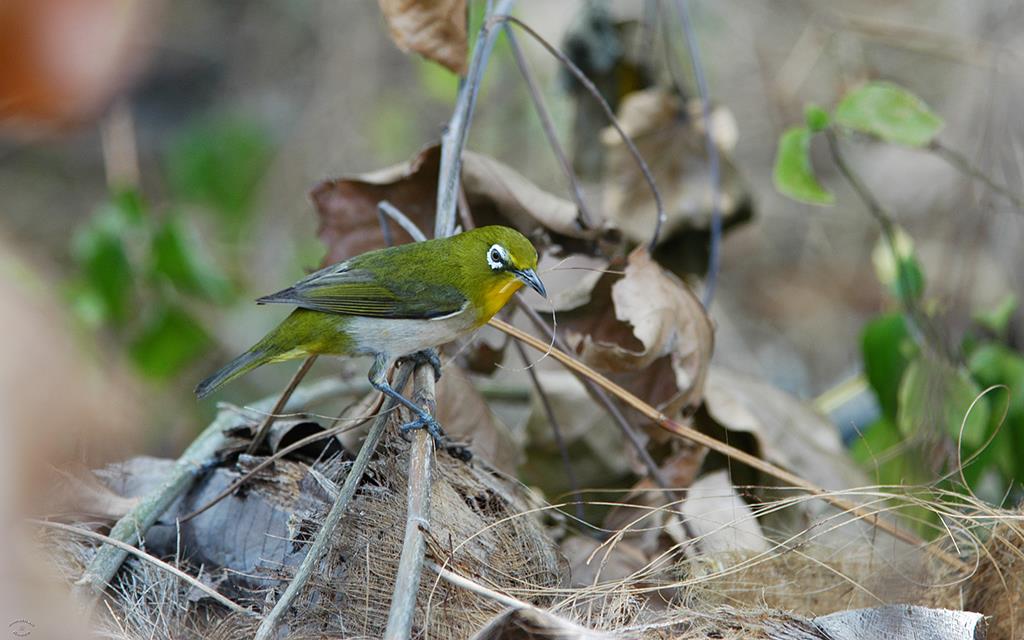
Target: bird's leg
pixel 379 381
pixel 426 356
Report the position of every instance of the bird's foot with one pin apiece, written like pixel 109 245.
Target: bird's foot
pixel 441 442
pixel 425 421
pixel 427 356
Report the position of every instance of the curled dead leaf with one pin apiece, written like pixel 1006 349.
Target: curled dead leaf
pixel 669 133
pixel 648 331
pixel 435 29
pixel 497 194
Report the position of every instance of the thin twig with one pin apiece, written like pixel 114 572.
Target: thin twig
pixel 324 536
pixel 454 139
pixel 964 164
pixel 139 553
pixel 738 455
pixel 588 84
pixel 710 148
pixel 385 208
pixel 410 564
pixel 195 460
pixel 268 420
pixel 586 219
pixel 417 518
pixel 556 430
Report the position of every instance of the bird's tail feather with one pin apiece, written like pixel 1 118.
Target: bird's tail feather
pixel 240 365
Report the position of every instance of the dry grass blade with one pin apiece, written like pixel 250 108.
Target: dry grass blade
pixel 127 548
pixel 738 455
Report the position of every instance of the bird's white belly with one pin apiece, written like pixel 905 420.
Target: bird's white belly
pixel 400 337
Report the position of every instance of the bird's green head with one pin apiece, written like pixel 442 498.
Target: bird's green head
pixel 497 261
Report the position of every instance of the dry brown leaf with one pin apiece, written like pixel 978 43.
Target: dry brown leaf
pixel 466 417
pixel 669 133
pixel 435 29
pixel 497 194
pixel 522 203
pixel 569 280
pixel 788 432
pixel 654 337
pixel 347 207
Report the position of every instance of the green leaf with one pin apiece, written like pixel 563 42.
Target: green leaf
pixel 888 112
pixel 219 164
pixel 882 452
pixel 175 255
pixel 816 118
pixel 885 342
pixel 901 273
pixel 793 175
pixel 170 340
pixel 933 395
pixel 104 291
pixel 991 365
pixel 873 451
pixel 997 320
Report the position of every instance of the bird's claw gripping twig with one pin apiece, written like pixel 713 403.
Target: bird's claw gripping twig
pixel 427 356
pixel 441 441
pixel 428 422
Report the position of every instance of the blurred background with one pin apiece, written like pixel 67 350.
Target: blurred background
pixel 156 161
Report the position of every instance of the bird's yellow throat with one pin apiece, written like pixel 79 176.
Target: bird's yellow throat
pixel 495 297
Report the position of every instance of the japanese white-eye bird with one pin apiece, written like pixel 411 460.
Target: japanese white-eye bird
pixel 395 303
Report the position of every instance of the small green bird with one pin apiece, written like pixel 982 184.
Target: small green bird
pixel 396 303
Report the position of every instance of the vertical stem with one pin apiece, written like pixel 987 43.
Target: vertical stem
pixel 592 89
pixel 410 565
pixel 710 148
pixel 918 323
pixel 454 139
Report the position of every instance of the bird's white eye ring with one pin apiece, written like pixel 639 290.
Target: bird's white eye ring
pixel 497 258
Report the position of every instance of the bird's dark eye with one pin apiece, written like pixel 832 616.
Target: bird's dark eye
pixel 495 256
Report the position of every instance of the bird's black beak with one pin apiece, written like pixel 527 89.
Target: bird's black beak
pixel 530 279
